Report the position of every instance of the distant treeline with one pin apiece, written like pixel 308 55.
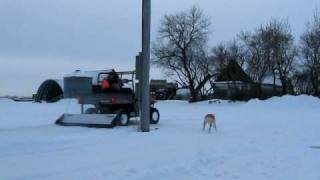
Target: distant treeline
pixel 267 52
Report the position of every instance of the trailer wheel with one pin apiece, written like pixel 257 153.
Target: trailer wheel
pixel 154 116
pixel 123 118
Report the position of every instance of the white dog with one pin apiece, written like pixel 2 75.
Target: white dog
pixel 211 120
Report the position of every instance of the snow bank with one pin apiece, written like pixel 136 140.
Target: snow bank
pixel 262 140
pixel 302 101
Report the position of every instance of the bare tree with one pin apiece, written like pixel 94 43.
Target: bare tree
pixel 181 49
pixel 238 53
pixel 220 57
pixel 258 61
pixel 222 54
pixel 302 83
pixel 271 53
pixel 282 51
pixel 310 50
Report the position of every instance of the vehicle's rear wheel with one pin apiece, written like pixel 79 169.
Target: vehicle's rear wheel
pixel 154 116
pixel 123 118
pixel 91 111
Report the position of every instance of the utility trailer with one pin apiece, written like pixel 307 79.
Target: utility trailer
pixel 112 96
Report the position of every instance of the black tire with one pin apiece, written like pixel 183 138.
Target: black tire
pixel 154 116
pixel 91 111
pixel 123 118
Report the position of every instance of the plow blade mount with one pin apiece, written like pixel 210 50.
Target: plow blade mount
pixel 88 120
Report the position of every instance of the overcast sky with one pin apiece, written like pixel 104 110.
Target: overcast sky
pixel 41 39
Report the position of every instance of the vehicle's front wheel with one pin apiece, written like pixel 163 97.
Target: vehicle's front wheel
pixel 154 116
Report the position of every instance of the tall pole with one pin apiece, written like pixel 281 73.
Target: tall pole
pixel 145 84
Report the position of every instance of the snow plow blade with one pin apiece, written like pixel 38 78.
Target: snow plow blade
pixel 88 120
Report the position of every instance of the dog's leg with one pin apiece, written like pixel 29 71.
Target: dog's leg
pixel 204 125
pixel 215 126
pixel 210 128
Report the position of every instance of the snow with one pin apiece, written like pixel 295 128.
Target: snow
pixel 262 140
pixel 183 91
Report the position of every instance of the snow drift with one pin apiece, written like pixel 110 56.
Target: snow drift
pixel 273 139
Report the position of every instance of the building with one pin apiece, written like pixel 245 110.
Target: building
pixel 234 84
pixel 163 90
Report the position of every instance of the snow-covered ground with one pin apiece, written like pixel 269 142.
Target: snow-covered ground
pixel 276 139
